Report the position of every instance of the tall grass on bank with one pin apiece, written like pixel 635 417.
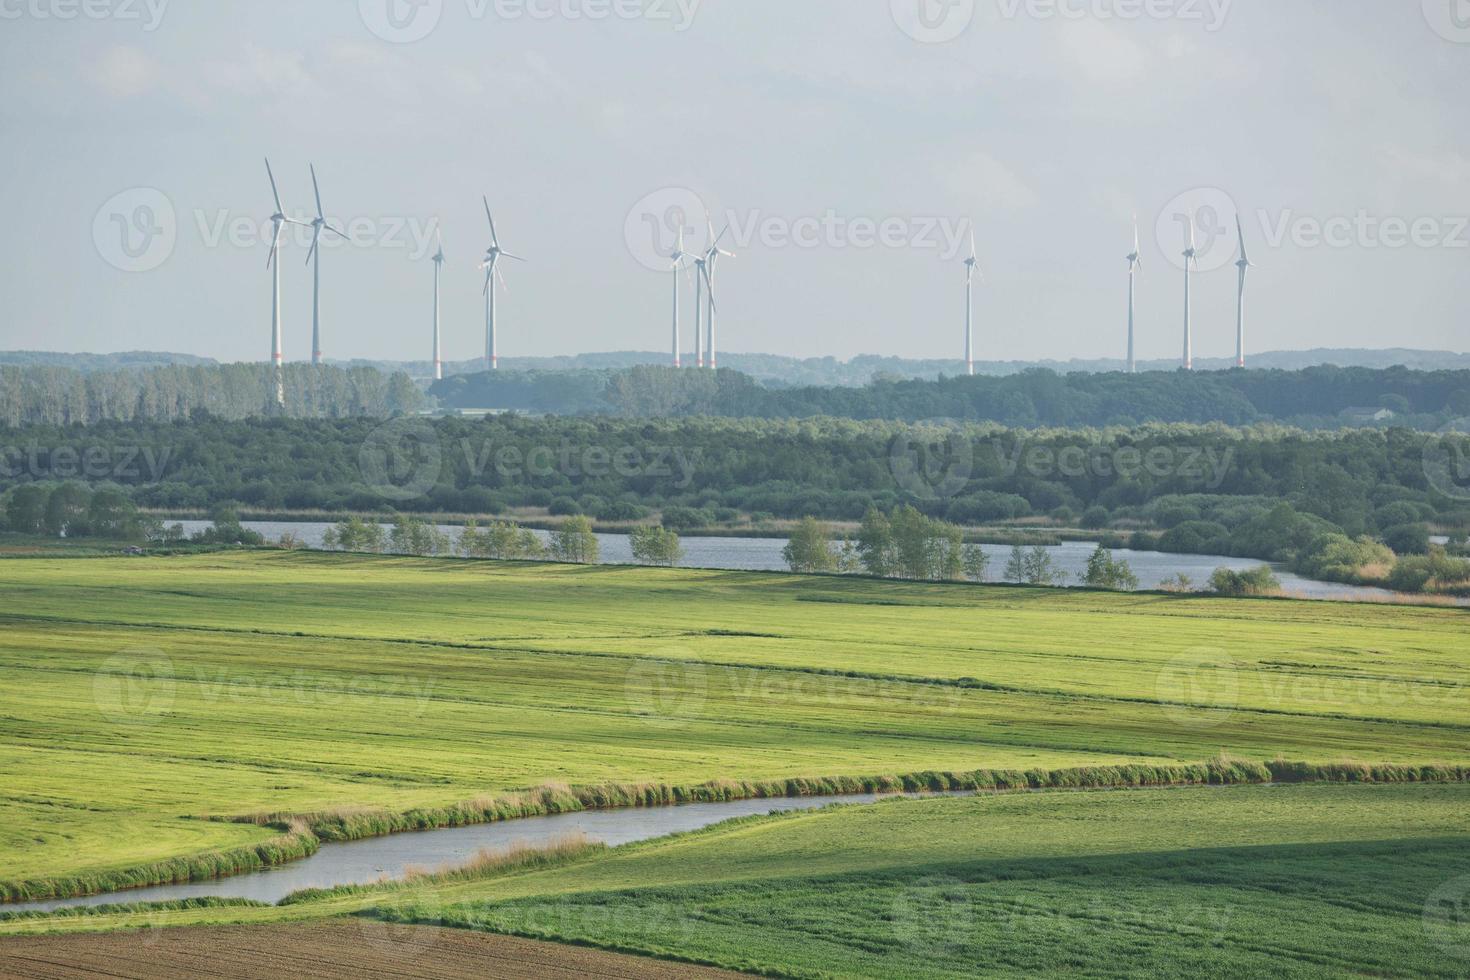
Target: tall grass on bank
pixel 305 831
pixel 295 842
pixel 518 856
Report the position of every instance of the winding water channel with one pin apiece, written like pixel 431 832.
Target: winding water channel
pixel 378 858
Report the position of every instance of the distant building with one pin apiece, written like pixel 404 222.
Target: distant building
pixel 1368 414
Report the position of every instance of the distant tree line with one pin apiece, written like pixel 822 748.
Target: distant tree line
pixel 1264 492
pixel 74 510
pixel 906 544
pixel 573 541
pixel 65 396
pixel 1314 397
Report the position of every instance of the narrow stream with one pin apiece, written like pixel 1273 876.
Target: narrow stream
pixel 378 858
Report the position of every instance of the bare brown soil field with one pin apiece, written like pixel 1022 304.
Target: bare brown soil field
pixel 351 948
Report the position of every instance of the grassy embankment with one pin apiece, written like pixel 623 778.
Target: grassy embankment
pixel 368 694
pixel 1297 880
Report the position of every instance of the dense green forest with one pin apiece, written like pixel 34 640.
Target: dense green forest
pixel 1322 397
pixel 1316 398
pixel 63 396
pixel 1207 488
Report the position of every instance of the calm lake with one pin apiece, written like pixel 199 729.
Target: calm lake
pixel 764 555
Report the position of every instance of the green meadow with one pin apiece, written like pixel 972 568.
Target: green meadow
pixel 1316 880
pixel 162 712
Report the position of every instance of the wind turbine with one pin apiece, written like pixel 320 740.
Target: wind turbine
pixel 677 259
pixel 493 254
pixel 1191 255
pixel 278 221
pixel 711 260
pixel 971 267
pixel 314 259
pixel 1134 264
pixel 701 273
pixel 1243 265
pixel 438 353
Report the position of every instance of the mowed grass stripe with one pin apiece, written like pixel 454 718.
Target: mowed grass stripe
pixel 1018 639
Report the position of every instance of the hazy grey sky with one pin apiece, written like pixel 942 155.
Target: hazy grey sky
pixel 850 140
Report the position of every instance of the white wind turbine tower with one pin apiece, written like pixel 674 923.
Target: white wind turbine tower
pixel 438 352
pixel 493 255
pixel 677 258
pixel 1191 255
pixel 971 267
pixel 314 259
pixel 711 260
pixel 704 279
pixel 1134 264
pixel 701 273
pixel 1244 265
pixel 278 221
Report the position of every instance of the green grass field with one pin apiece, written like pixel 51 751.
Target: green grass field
pixel 145 694
pixel 1301 880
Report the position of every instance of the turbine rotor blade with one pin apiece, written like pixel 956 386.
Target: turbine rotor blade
pixel 274 192
pixel 339 234
pixel 516 257
pixel 316 189
pixel 494 238
pixel 316 237
pixel 499 274
pixel 710 285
